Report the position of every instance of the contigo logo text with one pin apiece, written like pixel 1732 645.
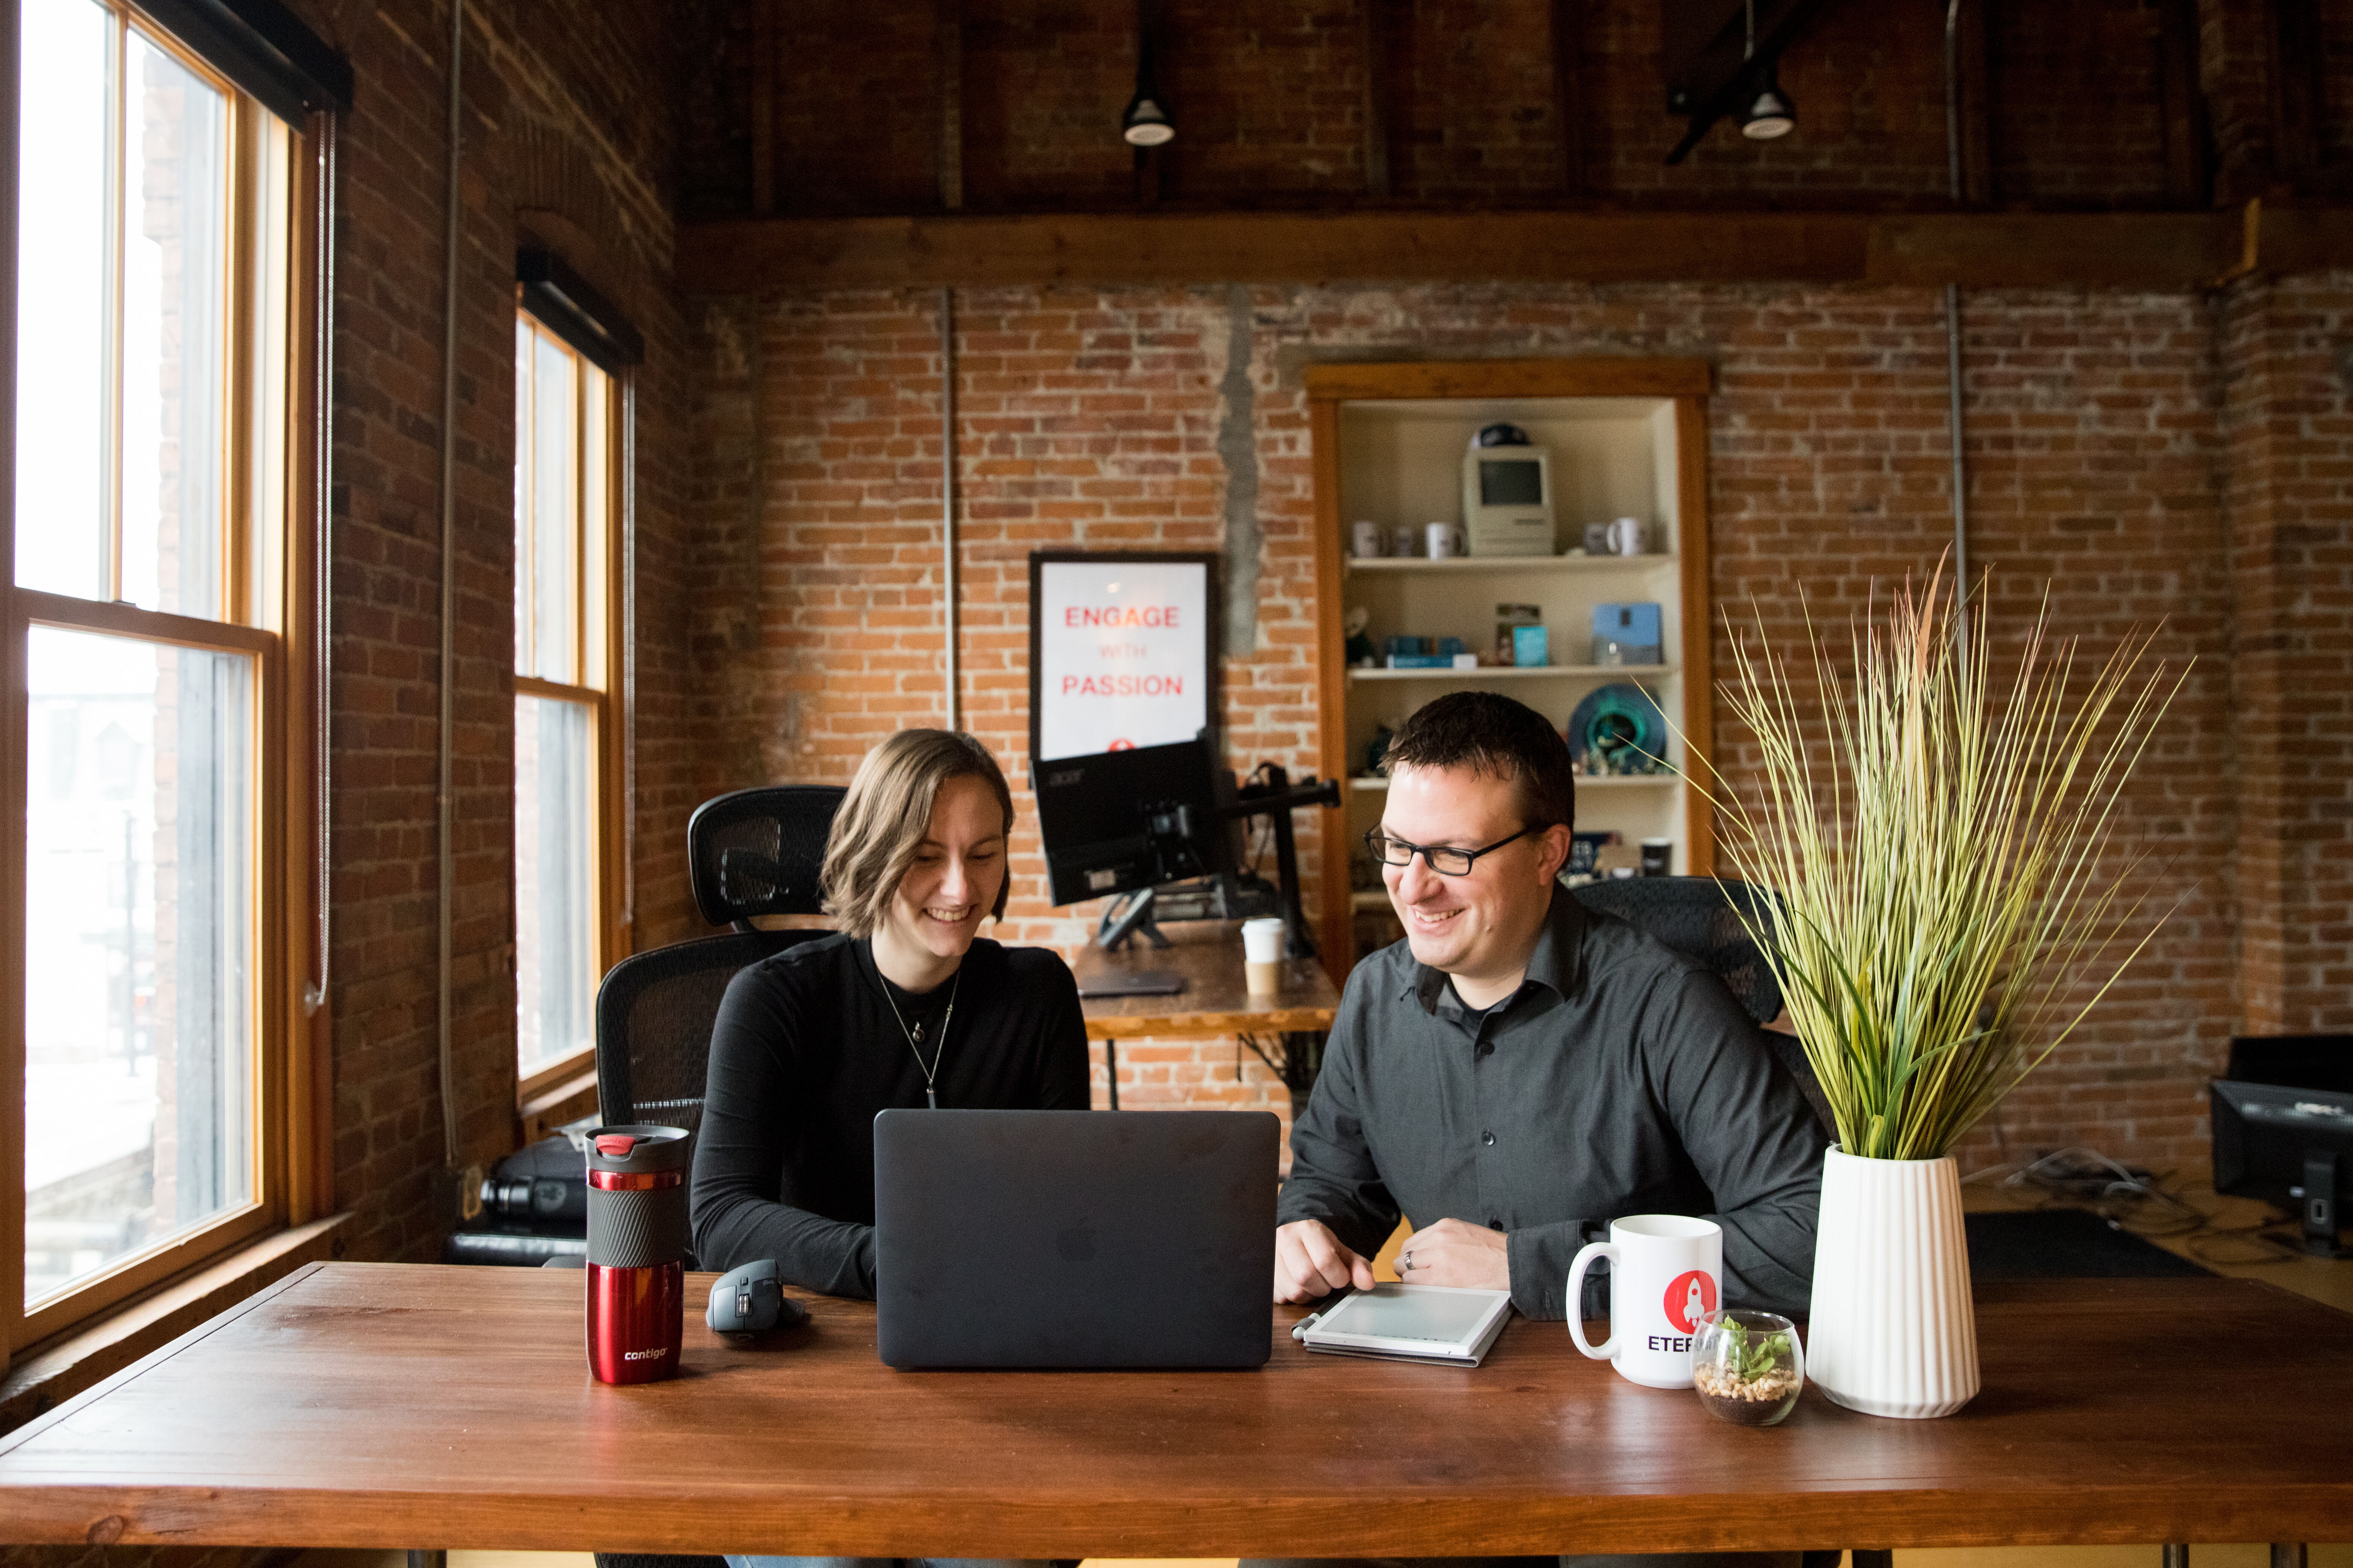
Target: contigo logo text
pixel 640 1356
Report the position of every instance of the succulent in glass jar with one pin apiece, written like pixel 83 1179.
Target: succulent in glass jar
pixel 1748 1366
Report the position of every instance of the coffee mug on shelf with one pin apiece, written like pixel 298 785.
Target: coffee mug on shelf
pixel 1446 540
pixel 1666 1272
pixel 1626 536
pixel 1368 539
pixel 1409 539
pixel 1596 540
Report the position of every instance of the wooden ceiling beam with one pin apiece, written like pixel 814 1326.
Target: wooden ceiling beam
pixel 1975 250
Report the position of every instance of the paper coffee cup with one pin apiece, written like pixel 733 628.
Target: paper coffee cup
pixel 1262 954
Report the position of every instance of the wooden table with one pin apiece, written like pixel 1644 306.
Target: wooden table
pixel 1216 999
pixel 377 1404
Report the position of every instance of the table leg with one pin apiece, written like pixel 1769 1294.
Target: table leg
pixel 2177 1554
pixel 1110 1069
pixel 2286 1555
pixel 428 1560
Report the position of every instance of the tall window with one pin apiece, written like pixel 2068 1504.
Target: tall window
pixel 566 722
pixel 155 213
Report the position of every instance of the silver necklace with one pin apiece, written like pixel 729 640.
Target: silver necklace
pixel 939 1047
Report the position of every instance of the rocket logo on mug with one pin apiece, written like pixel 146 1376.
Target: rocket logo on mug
pixel 1689 1298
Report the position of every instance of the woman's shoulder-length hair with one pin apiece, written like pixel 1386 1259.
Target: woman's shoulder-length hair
pixel 885 814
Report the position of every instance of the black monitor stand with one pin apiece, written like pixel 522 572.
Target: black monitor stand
pixel 1228 897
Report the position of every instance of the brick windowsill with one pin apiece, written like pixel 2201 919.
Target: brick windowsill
pixel 48 1373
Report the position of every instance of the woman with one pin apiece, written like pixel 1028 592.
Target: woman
pixel 904 1005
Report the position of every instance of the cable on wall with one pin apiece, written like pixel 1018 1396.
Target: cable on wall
pixel 629 656
pixel 326 127
pixel 1953 316
pixel 948 491
pixel 445 808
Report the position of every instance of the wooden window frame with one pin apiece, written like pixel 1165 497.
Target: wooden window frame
pixel 270 616
pixel 598 655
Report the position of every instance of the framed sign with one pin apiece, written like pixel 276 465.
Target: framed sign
pixel 1123 650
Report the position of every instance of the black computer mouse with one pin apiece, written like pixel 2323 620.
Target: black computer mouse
pixel 748 1300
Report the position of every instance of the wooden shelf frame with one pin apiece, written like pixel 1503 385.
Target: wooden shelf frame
pixel 1687 383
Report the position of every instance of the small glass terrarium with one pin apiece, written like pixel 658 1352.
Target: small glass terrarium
pixel 1748 1366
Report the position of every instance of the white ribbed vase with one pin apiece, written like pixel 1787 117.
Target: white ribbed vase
pixel 1892 1333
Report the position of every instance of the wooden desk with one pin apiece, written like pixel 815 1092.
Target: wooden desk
pixel 377 1405
pixel 1216 999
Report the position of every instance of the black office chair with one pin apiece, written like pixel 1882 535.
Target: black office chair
pixel 753 852
pixel 758 851
pixel 1700 917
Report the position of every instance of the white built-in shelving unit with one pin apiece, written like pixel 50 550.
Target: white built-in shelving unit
pixel 1628 439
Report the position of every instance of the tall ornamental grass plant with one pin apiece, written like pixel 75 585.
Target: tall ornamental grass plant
pixel 1939 847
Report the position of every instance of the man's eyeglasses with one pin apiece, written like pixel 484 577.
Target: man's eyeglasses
pixel 1444 861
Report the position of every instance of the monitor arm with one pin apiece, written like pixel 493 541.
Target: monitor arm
pixel 1277 797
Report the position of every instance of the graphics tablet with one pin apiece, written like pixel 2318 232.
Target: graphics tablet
pixel 1410 1322
pixel 1074 1239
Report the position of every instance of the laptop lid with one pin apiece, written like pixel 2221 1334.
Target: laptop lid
pixel 1074 1239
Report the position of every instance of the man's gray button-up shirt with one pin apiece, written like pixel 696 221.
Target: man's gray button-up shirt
pixel 1621 1079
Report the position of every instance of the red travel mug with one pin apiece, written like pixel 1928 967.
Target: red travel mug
pixel 637 1252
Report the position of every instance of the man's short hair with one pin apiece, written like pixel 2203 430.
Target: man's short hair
pixel 887 812
pixel 1492 735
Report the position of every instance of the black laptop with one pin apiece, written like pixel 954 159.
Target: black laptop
pixel 1074 1239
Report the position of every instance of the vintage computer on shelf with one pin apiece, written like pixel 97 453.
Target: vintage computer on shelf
pixel 2283 1129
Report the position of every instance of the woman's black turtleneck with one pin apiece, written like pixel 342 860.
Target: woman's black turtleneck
pixel 807 1050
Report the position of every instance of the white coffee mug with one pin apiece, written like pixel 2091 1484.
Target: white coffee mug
pixel 1665 1271
pixel 1445 540
pixel 1626 536
pixel 1368 539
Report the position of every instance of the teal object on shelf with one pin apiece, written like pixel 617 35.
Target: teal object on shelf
pixel 1619 727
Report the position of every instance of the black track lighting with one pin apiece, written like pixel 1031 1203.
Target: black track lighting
pixel 1147 123
pixel 1770 113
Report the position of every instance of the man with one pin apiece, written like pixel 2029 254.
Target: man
pixel 1518 1071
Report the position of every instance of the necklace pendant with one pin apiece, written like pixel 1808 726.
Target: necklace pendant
pixel 916 1033
pixel 930 1094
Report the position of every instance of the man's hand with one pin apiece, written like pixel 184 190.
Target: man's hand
pixel 1310 1261
pixel 1451 1253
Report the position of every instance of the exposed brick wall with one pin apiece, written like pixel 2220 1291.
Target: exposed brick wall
pixel 862 135
pixel 2080 114
pixel 1090 419
pixel 1868 83
pixel 2096 477
pixel 567 133
pixel 2288 349
pixel 1272 106
pixel 1044 84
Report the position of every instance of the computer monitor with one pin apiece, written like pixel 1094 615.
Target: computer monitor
pixel 2283 1128
pixel 1137 818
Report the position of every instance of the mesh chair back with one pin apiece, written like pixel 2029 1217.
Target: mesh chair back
pixel 1695 916
pixel 654 1013
pixel 758 851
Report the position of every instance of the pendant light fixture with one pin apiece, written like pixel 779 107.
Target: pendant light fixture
pixel 1145 122
pixel 1770 114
